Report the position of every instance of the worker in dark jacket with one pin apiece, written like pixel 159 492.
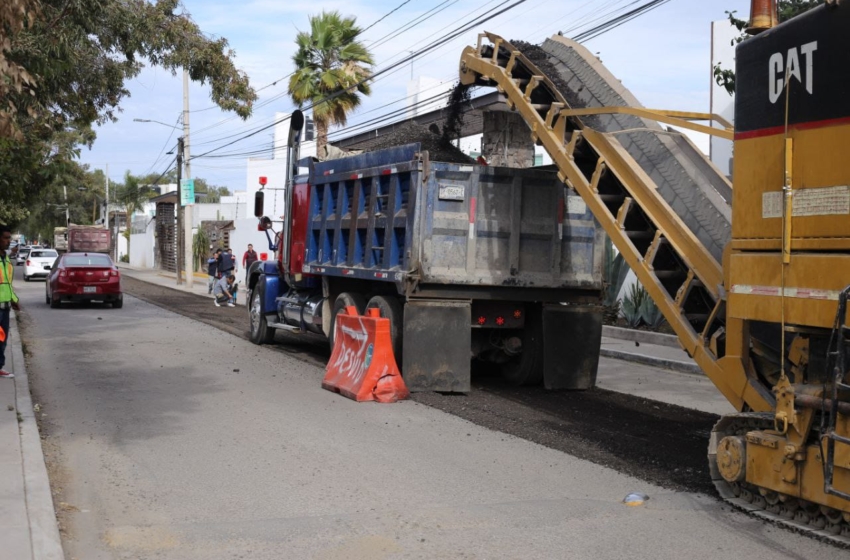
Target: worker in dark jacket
pixel 212 270
pixel 226 263
pixel 249 258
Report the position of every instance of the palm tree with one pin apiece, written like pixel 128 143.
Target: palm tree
pixel 132 195
pixel 330 62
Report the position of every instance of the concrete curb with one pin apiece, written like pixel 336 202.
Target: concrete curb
pixel 44 529
pixel 673 365
pixel 669 340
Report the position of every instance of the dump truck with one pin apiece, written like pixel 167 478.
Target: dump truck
pixel 760 302
pixel 468 262
pixel 88 239
pixel 60 239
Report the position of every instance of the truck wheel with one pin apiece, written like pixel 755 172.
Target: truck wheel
pixel 391 308
pixel 342 301
pixel 260 331
pixel 527 367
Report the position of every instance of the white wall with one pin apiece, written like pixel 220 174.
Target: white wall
pixel 122 245
pixel 214 211
pixel 723 34
pixel 244 206
pixel 141 249
pixel 275 171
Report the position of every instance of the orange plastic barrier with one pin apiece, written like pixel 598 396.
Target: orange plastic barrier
pixel 362 366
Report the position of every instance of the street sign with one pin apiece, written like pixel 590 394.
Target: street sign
pixel 187 192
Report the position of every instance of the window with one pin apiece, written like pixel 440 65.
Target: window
pixel 88 260
pixel 45 254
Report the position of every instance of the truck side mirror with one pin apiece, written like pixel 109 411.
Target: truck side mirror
pixel 296 123
pixel 265 224
pixel 258 203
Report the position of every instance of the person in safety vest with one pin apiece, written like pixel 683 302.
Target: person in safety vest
pixel 8 299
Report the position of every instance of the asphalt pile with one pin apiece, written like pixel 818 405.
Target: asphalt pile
pixel 438 142
pixel 439 149
pixel 540 58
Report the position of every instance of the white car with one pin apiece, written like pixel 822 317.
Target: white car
pixel 22 253
pixel 39 262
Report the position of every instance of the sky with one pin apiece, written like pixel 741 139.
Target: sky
pixel 663 57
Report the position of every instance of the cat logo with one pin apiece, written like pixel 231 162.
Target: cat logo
pixel 780 66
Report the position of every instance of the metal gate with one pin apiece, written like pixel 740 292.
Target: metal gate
pixel 166 236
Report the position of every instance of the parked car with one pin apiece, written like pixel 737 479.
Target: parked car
pixel 21 256
pixel 84 277
pixel 38 263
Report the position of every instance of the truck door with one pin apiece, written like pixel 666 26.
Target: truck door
pixel 298 227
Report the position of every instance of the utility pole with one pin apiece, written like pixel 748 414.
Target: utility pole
pixel 180 216
pixel 187 216
pixel 67 213
pixel 106 202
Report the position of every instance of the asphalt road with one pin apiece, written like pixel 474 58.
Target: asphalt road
pixel 170 438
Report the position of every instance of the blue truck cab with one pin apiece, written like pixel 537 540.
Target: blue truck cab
pixel 468 262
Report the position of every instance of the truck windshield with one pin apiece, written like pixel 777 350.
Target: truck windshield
pixel 88 260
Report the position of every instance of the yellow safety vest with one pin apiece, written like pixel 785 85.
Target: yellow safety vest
pixel 7 273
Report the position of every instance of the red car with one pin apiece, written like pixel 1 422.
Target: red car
pixel 84 277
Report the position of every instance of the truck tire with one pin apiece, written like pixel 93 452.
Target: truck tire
pixel 342 301
pixel 527 367
pixel 260 331
pixel 391 308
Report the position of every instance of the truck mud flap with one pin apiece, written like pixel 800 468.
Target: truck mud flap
pixel 571 339
pixel 437 342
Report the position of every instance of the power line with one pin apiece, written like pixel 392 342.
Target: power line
pixel 588 34
pixel 385 16
pixel 447 37
pixel 161 151
pixel 618 21
pixel 278 96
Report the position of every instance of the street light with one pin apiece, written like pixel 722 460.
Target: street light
pixel 158 122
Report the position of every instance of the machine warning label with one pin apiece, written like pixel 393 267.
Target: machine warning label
pixel 451 192
pixel 575 205
pixel 826 201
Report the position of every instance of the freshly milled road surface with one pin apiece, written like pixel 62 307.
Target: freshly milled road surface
pixel 169 438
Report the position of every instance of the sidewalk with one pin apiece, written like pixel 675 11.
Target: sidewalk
pixel 656 355
pixel 29 529
pixel 169 280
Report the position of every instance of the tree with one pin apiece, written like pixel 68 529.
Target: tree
pixel 132 195
pixel 209 193
pixel 331 68
pixel 63 65
pixel 786 9
pixel 82 194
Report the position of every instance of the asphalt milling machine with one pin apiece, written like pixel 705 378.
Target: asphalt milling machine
pixel 752 278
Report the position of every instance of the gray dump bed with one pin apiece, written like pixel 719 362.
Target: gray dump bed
pixel 509 227
pixel 392 216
